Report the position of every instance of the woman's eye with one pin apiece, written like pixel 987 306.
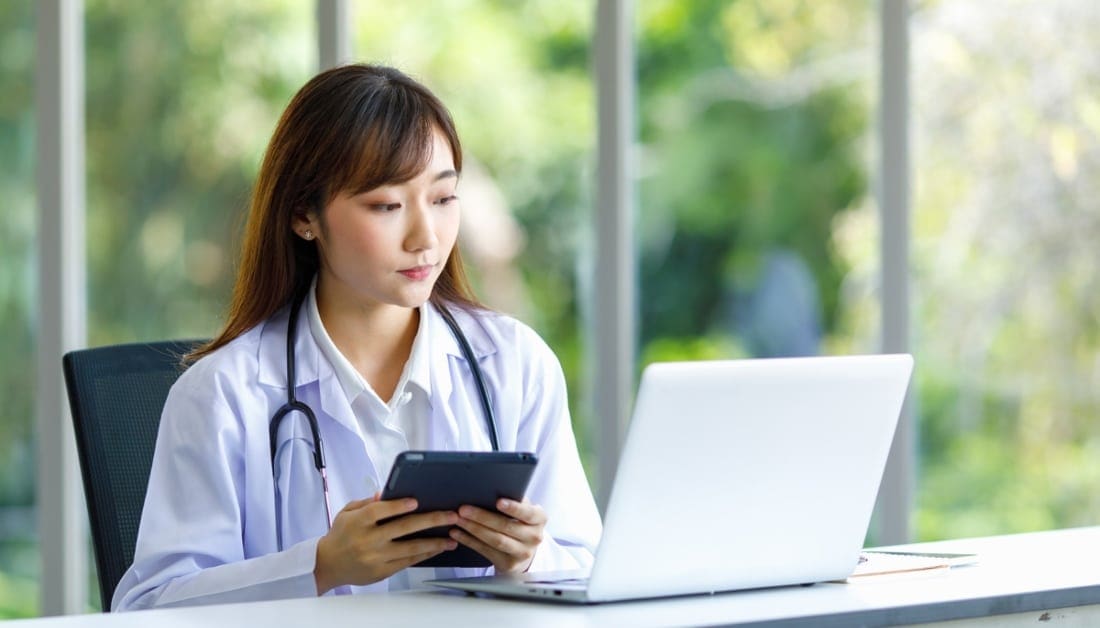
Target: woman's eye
pixel 385 207
pixel 447 199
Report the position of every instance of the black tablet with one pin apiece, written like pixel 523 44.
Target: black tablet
pixel 445 480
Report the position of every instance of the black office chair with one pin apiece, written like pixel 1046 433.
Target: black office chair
pixel 116 395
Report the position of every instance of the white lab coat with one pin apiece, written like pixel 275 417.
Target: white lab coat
pixel 211 525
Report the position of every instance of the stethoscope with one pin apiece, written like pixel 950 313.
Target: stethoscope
pixel 293 405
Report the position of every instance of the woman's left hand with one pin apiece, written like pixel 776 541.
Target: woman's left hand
pixel 507 538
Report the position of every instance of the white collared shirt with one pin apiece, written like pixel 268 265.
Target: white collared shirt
pixel 389 428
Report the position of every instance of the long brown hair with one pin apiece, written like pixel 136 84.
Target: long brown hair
pixel 351 128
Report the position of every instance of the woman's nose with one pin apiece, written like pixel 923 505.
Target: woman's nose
pixel 421 230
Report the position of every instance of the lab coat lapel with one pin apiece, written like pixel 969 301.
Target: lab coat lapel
pixel 319 387
pixel 444 342
pixel 310 365
pixel 455 412
pixel 299 496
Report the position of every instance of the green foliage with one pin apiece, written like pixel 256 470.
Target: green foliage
pixel 17 249
pixel 18 575
pixel 731 174
pixel 1004 232
pixel 983 473
pixel 18 589
pixel 181 98
pixel 670 349
pixel 18 597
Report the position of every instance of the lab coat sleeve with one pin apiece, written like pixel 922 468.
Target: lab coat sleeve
pixel 559 484
pixel 191 542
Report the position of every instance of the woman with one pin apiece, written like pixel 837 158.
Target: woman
pixel 353 224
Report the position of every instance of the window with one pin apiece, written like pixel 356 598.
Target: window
pixel 1005 270
pixel 756 226
pixel 18 555
pixel 181 101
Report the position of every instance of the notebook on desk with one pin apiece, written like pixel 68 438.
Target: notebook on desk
pixel 735 475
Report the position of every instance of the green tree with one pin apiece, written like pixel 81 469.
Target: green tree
pixel 1005 222
pixel 753 120
pixel 17 293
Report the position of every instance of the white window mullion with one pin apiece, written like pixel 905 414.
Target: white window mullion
pixel 333 40
pixel 895 502
pixel 614 286
pixel 62 307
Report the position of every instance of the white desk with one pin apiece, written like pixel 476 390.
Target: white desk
pixel 1048 577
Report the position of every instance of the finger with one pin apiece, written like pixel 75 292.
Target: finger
pixel 504 562
pixel 493 539
pixel 391 508
pixel 420 521
pixel 399 550
pixel 408 561
pixel 494 555
pixel 525 511
pixel 502 524
pixel 356 504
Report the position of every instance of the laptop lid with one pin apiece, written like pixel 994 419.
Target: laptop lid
pixel 748 473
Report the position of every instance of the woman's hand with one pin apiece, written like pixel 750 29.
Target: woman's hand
pixel 508 540
pixel 358 550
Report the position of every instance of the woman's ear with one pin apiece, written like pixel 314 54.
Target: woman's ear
pixel 306 224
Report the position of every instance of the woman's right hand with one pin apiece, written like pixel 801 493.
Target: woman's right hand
pixel 358 550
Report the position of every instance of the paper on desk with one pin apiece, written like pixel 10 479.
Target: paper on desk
pixel 874 566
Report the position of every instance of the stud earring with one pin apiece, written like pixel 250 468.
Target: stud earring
pixel 308 234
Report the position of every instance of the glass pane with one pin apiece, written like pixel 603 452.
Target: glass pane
pixel 18 543
pixel 758 232
pixel 181 99
pixel 1006 274
pixel 517 81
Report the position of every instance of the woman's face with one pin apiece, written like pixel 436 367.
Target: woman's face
pixel 387 246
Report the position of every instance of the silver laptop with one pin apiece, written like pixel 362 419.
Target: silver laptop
pixel 737 474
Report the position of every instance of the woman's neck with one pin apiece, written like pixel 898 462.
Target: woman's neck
pixel 375 338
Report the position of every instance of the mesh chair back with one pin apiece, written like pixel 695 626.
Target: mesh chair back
pixel 116 395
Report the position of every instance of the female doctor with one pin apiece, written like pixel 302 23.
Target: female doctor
pixel 350 248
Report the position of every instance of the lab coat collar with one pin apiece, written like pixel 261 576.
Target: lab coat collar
pixel 445 345
pixel 452 383
pixel 443 340
pixel 312 367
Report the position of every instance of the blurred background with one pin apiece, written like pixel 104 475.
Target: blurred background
pixel 758 230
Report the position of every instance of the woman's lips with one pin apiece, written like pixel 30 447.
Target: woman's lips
pixel 417 273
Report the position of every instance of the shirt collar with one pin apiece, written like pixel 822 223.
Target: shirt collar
pixel 416 370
